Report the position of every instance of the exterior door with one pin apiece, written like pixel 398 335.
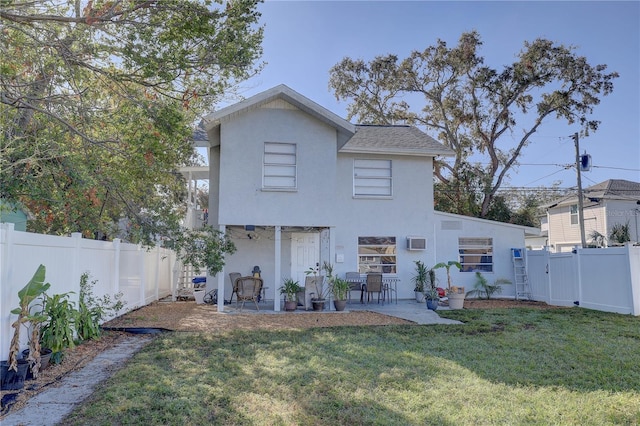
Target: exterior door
pixel 305 253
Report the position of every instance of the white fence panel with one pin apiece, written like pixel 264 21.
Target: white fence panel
pixel 538 276
pixel 606 279
pixel 143 276
pixel 563 279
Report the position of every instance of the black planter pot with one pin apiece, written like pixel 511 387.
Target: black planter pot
pixel 318 305
pixel 45 357
pixel 13 380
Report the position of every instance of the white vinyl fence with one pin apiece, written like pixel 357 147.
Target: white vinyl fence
pixel 142 275
pixel 604 279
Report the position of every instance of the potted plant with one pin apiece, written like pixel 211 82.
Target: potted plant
pixel 482 288
pixel 455 294
pixel 290 289
pixel 319 297
pixel 419 281
pixel 432 298
pixel 14 370
pixel 340 289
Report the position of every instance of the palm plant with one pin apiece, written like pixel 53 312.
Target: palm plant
pixel 482 288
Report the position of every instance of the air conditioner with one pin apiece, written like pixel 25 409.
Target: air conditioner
pixel 416 243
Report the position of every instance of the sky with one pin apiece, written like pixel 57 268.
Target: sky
pixel 304 39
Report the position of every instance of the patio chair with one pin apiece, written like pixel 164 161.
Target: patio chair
pixel 233 276
pixel 375 285
pixel 248 288
pixel 355 284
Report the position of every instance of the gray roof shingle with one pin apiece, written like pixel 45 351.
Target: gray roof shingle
pixel 394 139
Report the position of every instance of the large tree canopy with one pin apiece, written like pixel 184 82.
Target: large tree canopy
pixel 97 98
pixel 474 109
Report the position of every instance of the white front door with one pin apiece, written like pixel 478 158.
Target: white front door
pixel 305 253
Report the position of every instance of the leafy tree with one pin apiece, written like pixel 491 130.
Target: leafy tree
pixel 473 108
pixel 97 101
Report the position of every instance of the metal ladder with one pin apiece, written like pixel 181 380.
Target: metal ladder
pixel 520 272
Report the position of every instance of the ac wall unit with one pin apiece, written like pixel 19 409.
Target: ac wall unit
pixel 416 243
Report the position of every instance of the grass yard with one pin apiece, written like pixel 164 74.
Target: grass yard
pixel 504 366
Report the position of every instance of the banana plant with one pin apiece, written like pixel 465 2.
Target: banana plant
pixel 34 289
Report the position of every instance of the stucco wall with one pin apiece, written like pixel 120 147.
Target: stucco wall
pixel 242 198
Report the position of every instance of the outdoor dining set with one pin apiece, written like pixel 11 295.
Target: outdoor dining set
pixel 370 286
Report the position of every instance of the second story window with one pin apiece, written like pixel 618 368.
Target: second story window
pixel 372 178
pixel 574 214
pixel 280 166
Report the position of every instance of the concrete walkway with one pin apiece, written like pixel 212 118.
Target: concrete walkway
pixel 53 404
pixel 50 406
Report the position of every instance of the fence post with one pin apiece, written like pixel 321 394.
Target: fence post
pixel 75 264
pixel 142 289
pixel 6 276
pixel 116 265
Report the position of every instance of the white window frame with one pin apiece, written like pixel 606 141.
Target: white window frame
pixel 378 255
pixel 476 254
pixel 372 178
pixel 574 214
pixel 280 166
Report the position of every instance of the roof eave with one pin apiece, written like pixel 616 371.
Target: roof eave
pixel 395 151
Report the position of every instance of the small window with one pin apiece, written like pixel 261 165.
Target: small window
pixel 377 254
pixel 476 254
pixel 574 214
pixel 372 178
pixel 279 166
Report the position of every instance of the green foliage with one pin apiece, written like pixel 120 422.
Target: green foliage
pixel 474 109
pixel 447 266
pixel 290 289
pixel 340 288
pixel 421 277
pixel 482 288
pixel 99 101
pixel 33 290
pixel 57 332
pixel 203 248
pixel 597 238
pixel 93 310
pixel 620 233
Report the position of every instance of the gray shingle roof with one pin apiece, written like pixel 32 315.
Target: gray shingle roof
pixel 611 189
pixel 614 188
pixel 402 140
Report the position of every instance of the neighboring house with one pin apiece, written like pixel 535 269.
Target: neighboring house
pixel 11 213
pixel 609 204
pixel 541 240
pixel 294 185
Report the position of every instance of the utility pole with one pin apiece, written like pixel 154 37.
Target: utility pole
pixel 583 240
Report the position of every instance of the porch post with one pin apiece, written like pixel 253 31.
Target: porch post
pixel 220 277
pixel 276 269
pixel 332 260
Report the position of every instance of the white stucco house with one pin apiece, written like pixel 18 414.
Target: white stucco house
pixel 607 204
pixel 293 184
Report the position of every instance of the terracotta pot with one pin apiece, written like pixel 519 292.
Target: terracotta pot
pixel 290 305
pixel 340 305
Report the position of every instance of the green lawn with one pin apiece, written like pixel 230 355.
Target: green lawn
pixel 504 366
